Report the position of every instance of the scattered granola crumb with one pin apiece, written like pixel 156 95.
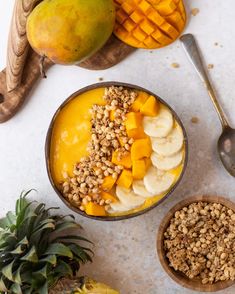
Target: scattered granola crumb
pixel 195 120
pixel 195 11
pixel 175 65
pixel 216 43
pixel 210 66
pixel 100 79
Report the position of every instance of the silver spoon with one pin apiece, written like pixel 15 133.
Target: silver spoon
pixel 226 142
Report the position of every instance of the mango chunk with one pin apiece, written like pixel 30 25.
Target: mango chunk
pixel 137 133
pixel 125 179
pixel 124 161
pixel 150 107
pixel 112 115
pixel 108 196
pixel 95 209
pixel 166 7
pixel 148 163
pixel 141 148
pixel 138 169
pixel 108 183
pixel 139 101
pixel 133 120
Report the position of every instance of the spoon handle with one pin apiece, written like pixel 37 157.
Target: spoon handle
pixel 191 49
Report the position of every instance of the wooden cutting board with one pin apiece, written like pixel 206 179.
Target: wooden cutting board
pixel 23 71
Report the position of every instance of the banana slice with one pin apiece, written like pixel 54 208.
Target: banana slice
pixel 129 198
pixel 140 190
pixel 169 145
pixel 118 207
pixel 160 125
pixel 166 162
pixel 157 181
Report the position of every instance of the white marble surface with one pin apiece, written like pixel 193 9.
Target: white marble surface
pixel 125 251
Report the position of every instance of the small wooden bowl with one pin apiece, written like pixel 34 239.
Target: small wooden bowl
pixel 177 276
pixel 48 144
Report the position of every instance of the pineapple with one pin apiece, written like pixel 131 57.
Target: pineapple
pixel 37 250
pixel 83 285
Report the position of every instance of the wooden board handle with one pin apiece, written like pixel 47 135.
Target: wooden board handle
pixel 18 45
pixel 10 102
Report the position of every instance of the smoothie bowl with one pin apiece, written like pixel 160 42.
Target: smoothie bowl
pixel 115 151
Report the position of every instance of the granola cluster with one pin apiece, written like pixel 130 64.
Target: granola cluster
pixel 107 132
pixel 200 242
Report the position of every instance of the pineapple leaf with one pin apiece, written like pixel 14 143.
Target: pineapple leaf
pixel 42 271
pixel 15 288
pixel 18 250
pixel 80 253
pixel 24 241
pixel 67 225
pixel 11 218
pixel 39 230
pixel 43 289
pixel 7 271
pixel 8 241
pixel 63 269
pixel 31 255
pixel 16 275
pixel 3 287
pixel 4 223
pixel 50 259
pixel 21 203
pixel 21 216
pixel 40 208
pixel 72 237
pixel 59 249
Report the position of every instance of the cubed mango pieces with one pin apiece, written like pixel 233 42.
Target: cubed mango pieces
pixel 139 101
pixel 140 149
pixel 108 196
pixel 150 107
pixel 138 169
pixel 95 209
pixel 108 183
pixel 133 120
pixel 125 161
pixel 137 133
pixel 148 163
pixel 125 179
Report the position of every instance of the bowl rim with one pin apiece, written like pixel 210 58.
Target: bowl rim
pixel 178 277
pixel 48 145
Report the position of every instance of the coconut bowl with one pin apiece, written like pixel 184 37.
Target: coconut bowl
pixel 177 276
pixel 48 145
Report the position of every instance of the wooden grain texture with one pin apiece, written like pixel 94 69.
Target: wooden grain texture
pixel 113 52
pixel 10 102
pixel 177 276
pixel 18 45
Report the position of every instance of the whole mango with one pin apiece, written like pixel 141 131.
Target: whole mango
pixel 69 31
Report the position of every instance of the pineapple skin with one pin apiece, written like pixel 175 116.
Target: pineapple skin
pixel 90 286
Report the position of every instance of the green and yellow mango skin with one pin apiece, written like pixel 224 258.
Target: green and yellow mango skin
pixel 68 32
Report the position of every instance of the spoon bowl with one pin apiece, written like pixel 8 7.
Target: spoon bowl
pixel 226 149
